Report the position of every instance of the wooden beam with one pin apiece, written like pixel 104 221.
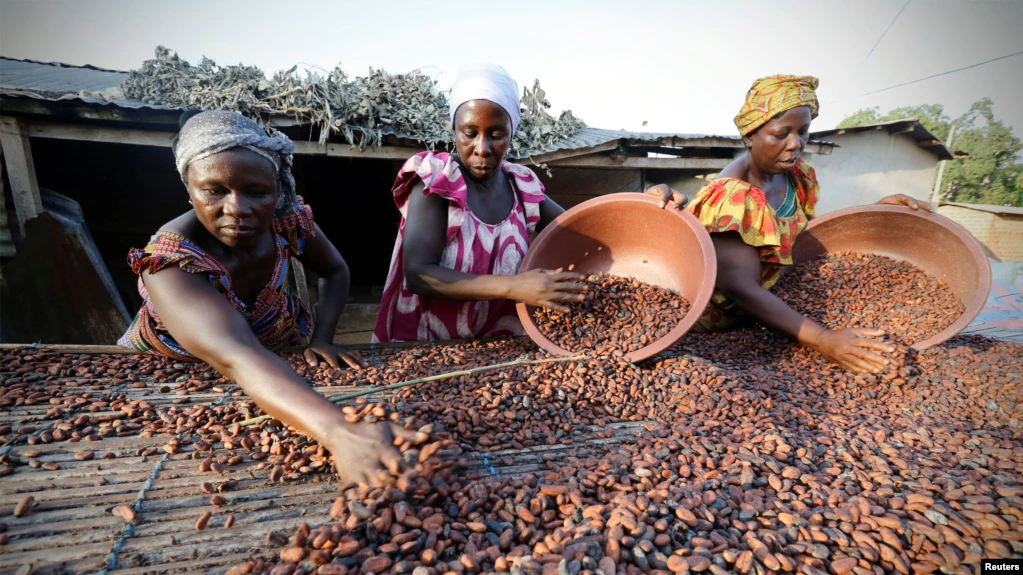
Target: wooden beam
pixel 142 137
pixel 676 152
pixel 28 202
pixel 337 150
pixel 613 163
pixel 690 142
pixel 107 135
pixel 101 134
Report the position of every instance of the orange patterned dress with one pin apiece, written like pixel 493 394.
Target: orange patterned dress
pixel 732 205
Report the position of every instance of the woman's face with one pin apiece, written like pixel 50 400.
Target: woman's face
pixel 482 137
pixel 234 194
pixel 776 145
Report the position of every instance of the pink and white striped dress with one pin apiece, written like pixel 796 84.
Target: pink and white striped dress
pixel 473 247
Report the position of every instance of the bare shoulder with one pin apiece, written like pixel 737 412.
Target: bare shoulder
pixel 737 168
pixel 731 248
pixel 185 225
pixel 419 200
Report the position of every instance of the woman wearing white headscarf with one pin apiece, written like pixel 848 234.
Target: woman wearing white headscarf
pixel 466 222
pixel 217 274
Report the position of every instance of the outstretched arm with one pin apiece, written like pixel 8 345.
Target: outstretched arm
pixel 739 279
pixel 205 324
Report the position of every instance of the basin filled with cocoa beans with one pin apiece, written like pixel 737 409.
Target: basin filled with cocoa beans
pixel 859 256
pixel 651 273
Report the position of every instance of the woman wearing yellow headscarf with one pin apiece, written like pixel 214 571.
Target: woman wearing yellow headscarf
pixel 755 209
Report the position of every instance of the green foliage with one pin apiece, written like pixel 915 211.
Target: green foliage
pixel 932 116
pixel 993 174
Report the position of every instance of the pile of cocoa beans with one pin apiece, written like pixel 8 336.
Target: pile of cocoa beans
pixel 866 290
pixel 754 456
pixel 739 452
pixel 618 314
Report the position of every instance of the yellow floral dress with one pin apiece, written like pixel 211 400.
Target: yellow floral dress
pixel 732 205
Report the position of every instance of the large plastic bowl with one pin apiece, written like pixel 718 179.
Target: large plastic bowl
pixel 628 235
pixel 929 241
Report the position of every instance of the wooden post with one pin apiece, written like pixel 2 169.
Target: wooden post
pixel 28 202
pixel 936 196
pixel 6 237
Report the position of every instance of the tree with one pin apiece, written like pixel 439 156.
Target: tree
pixel 992 174
pixel 931 116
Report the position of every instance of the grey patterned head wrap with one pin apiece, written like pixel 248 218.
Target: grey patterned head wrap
pixel 215 131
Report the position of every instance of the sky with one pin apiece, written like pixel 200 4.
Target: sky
pixel 677 66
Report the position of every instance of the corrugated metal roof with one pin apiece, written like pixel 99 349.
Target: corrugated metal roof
pixel 58 81
pixel 54 80
pixel 591 137
pixel 910 127
pixel 1000 210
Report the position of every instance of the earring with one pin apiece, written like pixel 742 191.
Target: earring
pixel 190 203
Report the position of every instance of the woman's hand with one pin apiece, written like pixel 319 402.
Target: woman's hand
pixel 665 194
pixel 851 349
pixel 331 354
pixel 366 452
pixel 546 288
pixel 904 200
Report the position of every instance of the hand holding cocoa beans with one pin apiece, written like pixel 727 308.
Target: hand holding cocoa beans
pixel 366 453
pixel 548 289
pixel 318 351
pixel 854 349
pixel 615 314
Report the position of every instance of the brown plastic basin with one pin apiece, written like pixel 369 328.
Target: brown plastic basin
pixel 628 235
pixel 929 241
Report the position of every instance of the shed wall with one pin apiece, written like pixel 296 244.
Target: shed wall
pixel 871 165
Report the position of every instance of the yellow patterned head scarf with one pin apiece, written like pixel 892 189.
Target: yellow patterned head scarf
pixel 773 95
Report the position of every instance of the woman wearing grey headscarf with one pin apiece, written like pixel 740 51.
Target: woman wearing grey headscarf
pixel 218 277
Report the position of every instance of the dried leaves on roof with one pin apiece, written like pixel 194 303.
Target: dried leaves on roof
pixel 360 109
pixel 537 128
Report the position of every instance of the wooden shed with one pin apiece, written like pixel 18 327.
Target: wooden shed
pixel 69 129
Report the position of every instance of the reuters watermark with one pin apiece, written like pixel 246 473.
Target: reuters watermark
pixel 1001 566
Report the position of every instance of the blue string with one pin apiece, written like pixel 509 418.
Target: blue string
pixel 128 531
pixel 490 467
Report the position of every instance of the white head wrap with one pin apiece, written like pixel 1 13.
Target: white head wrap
pixel 486 82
